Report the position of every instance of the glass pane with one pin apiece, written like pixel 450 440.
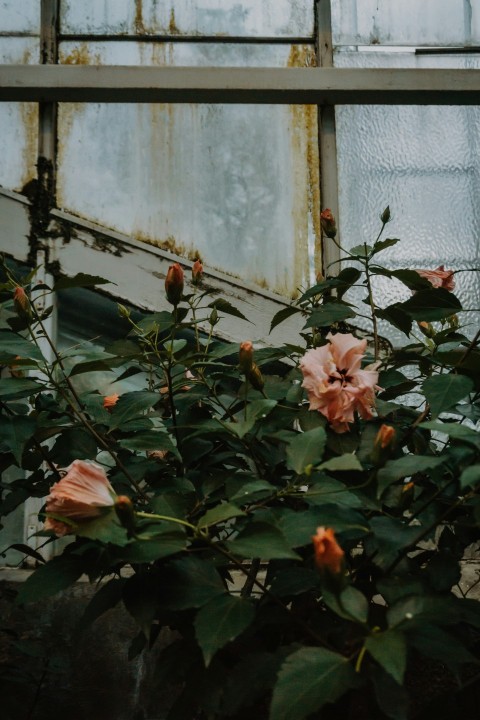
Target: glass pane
pixel 409 22
pixel 18 121
pixel 285 18
pixel 236 184
pixel 20 16
pixel 425 163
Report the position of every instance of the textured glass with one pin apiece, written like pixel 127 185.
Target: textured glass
pixel 18 121
pixel 406 22
pixel 237 184
pixel 285 18
pixel 20 16
pixel 425 163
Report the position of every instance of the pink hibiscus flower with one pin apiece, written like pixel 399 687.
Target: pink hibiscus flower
pixel 335 383
pixel 439 277
pixel 81 495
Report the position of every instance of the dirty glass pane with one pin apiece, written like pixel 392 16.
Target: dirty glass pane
pixel 409 22
pixel 18 121
pixel 236 184
pixel 285 18
pixel 20 16
pixel 425 163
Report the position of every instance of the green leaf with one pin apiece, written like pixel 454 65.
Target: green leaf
pixel 131 405
pixel 444 391
pixel 192 583
pixel 51 578
pixel 104 599
pixel 405 467
pixel 306 449
pixel 430 305
pixel 263 540
pixel 150 440
pixel 294 581
pixel 342 463
pixel 328 315
pixel 13 346
pixel 72 444
pixel 389 649
pixel 309 679
pixel 140 597
pixel 390 537
pixel 470 477
pixel 224 306
pixel 105 528
pixel 14 388
pixel 220 621
pixel 16 432
pixel 148 550
pixel 283 315
pixel 396 316
pixel 104 365
pixel 80 280
pixel 350 604
pixel 433 642
pixel 256 410
pixel 218 514
pixel 455 431
pixel 382 244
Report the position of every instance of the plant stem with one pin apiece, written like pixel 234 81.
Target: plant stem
pixel 372 304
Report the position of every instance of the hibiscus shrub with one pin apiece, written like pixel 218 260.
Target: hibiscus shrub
pixel 296 515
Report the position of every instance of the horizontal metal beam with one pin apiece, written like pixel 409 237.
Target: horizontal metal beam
pixel 318 86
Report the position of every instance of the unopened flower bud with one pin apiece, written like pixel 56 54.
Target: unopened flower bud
pixel 328 553
pixel 245 356
pixel 255 377
pixel 197 272
pixel 174 284
pixel 109 401
pixel 21 302
pixel 453 321
pixel 125 513
pixel 385 216
pixel 123 311
pixel 327 221
pixel 213 319
pixel 385 436
pixel 426 328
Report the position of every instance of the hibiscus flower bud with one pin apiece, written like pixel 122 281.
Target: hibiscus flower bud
pixel 327 221
pixel 385 436
pixel 385 216
pixel 123 311
pixel 255 377
pixel 245 356
pixel 328 553
pixel 197 272
pixel 109 401
pixel 21 302
pixel 125 513
pixel 426 329
pixel 174 284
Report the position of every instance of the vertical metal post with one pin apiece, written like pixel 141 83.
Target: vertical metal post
pixel 42 201
pixel 326 129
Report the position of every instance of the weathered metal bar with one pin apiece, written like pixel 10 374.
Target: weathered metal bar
pixel 326 131
pixel 205 39
pixel 318 86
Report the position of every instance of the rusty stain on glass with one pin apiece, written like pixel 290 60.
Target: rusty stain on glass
pixel 236 185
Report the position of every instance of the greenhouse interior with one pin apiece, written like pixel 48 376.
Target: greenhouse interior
pixel 240 359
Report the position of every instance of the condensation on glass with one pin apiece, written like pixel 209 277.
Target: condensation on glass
pixel 236 184
pixel 19 44
pixel 287 18
pixel 406 22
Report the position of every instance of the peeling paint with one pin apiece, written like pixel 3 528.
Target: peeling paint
pixel 139 24
pixel 172 25
pixel 170 244
pixel 29 118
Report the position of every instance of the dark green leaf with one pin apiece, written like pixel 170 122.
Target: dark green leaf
pixel 433 642
pixel 283 315
pixel 16 432
pixel 73 444
pixel 294 581
pixel 13 346
pixel 443 391
pixel 51 578
pixel 193 583
pixel 396 316
pixel 389 649
pixel 306 449
pixel 405 466
pixel 470 477
pixel 151 440
pixel 140 597
pixel 329 314
pixel 309 679
pixel 160 546
pixel 431 305
pixel 80 280
pixel 218 514
pixel 109 594
pixel 350 604
pixel 382 244
pixel 220 621
pixel 392 699
pixel 455 431
pixel 131 405
pixel 260 539
pixel 15 388
pixel 342 463
pixel 223 305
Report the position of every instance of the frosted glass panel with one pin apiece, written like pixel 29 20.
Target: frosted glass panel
pixel 406 22
pixel 18 121
pixel 237 184
pixel 20 16
pixel 425 163
pixel 189 17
